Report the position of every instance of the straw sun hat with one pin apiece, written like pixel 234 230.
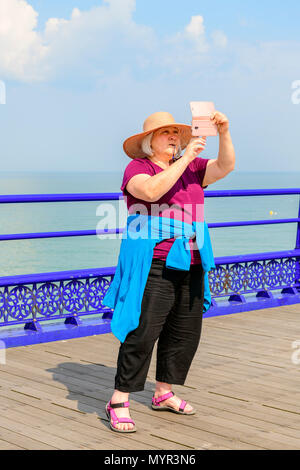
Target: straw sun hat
pixel 133 145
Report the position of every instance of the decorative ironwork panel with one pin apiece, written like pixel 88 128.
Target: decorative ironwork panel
pixel 48 299
pixel 248 277
pixel 255 277
pixel 52 300
pixel 20 302
pixel 84 296
pixel 96 292
pixel 73 295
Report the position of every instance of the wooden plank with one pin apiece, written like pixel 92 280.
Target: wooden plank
pixel 46 438
pixel 242 383
pixel 4 445
pixel 216 403
pixel 92 421
pixel 22 440
pixel 255 421
pixel 203 426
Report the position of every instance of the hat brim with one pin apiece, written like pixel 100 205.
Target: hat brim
pixel 133 145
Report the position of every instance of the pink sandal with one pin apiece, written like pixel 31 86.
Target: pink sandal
pixel 112 415
pixel 156 405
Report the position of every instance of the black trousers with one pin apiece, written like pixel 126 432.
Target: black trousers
pixel 171 312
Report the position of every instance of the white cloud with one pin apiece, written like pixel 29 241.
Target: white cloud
pixel 68 44
pixel 92 42
pixel 219 39
pixel 105 40
pixel 21 47
pixel 190 41
pixel 136 72
pixel 277 58
pixel 184 50
pixel 196 27
pixel 53 25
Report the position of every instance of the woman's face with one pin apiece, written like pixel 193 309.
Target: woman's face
pixel 166 141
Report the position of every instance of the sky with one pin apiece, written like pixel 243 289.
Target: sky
pixel 77 77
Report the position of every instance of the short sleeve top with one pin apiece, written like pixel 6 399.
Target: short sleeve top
pixel 184 201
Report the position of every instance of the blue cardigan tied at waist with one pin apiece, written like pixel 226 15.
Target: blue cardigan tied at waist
pixel 140 236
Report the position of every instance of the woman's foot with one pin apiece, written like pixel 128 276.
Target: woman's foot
pixel 120 397
pixel 174 402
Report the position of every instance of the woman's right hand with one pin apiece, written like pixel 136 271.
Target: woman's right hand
pixel 194 148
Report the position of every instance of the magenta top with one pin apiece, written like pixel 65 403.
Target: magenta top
pixel 186 198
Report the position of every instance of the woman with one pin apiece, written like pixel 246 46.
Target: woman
pixel 172 296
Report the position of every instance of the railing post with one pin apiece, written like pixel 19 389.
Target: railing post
pixel 73 320
pixel 297 247
pixel 33 325
pixel 298 229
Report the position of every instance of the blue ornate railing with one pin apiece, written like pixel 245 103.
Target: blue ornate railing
pixel 68 304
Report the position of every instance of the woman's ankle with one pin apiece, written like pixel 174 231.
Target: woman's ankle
pixel 162 388
pixel 119 397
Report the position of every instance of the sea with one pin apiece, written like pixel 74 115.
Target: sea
pixel 68 253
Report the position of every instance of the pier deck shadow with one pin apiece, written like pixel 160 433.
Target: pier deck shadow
pixel 244 383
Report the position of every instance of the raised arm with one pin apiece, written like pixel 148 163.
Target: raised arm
pixel 225 163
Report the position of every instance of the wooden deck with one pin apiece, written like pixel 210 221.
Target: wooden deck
pixel 243 383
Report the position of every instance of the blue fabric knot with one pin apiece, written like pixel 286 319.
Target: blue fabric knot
pixel 140 236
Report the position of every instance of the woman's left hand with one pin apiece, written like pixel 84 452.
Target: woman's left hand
pixel 221 121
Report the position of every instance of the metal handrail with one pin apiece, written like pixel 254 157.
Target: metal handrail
pixel 71 197
pixel 55 276
pixel 42 198
pixel 82 233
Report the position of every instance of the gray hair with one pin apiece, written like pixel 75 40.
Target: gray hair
pixel 147 149
pixel 146 145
